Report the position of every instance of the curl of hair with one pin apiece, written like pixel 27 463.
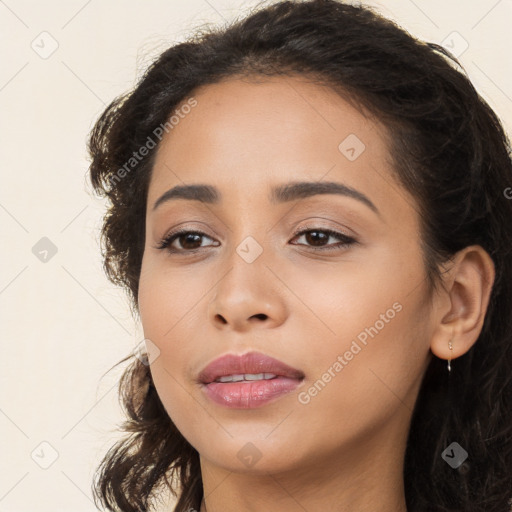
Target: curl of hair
pixel 449 150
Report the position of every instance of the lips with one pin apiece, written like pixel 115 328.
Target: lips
pixel 250 363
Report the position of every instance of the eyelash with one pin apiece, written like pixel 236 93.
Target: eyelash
pixel 165 243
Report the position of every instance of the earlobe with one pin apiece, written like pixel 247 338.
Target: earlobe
pixel 463 302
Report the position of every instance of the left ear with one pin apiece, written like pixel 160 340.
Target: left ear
pixel 461 305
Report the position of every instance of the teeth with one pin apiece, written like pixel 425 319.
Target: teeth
pixel 246 376
pixel 259 376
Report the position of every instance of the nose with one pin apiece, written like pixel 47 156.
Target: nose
pixel 248 296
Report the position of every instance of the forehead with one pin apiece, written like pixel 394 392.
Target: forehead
pixel 244 135
pixel 279 112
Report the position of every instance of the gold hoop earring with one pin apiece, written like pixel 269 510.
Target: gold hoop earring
pixel 450 358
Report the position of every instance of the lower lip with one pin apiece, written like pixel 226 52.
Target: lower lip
pixel 249 394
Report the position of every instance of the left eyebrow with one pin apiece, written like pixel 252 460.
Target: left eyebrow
pixel 303 189
pixel 279 194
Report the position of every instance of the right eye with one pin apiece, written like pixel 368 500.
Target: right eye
pixel 187 239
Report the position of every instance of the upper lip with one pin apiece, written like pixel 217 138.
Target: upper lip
pixel 252 362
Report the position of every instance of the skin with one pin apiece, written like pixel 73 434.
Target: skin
pixel 344 449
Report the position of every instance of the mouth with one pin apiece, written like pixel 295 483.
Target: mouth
pixel 248 381
pixel 250 367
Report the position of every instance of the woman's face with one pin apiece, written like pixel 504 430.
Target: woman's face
pixel 352 317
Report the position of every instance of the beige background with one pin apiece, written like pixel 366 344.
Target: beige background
pixel 62 324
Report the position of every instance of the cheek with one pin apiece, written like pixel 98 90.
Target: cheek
pixel 170 319
pixel 172 306
pixel 167 296
pixel 341 300
pixel 164 320
pixel 368 367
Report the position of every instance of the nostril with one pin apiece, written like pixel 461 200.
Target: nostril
pixel 222 319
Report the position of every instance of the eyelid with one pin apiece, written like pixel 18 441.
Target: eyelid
pixel 314 226
pixel 185 226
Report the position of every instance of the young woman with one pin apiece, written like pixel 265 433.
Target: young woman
pixel 311 212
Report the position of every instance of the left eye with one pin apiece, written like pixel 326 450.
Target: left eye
pixel 318 236
pixel 314 236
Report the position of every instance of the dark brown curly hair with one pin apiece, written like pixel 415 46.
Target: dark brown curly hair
pixel 450 151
